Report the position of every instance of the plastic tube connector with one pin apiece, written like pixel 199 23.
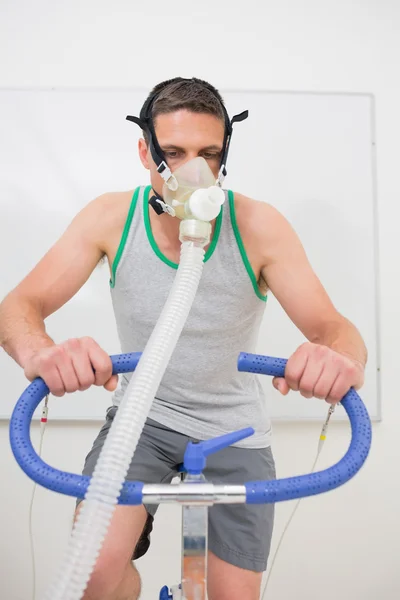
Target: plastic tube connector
pixel 197 232
pixel 205 204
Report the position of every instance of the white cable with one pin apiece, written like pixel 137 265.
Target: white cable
pixel 321 441
pixel 43 422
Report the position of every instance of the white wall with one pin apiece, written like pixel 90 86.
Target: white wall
pixel 340 545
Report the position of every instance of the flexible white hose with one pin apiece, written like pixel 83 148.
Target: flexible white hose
pixel 115 457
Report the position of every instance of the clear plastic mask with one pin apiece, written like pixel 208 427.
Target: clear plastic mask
pixel 191 176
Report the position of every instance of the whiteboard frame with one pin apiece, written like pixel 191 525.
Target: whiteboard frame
pixel 378 417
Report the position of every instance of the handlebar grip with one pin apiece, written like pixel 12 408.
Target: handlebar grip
pixel 265 365
pixel 45 475
pixel 323 481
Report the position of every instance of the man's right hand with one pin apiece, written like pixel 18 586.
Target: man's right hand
pixel 73 365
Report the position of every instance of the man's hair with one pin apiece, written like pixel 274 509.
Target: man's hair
pixel 194 95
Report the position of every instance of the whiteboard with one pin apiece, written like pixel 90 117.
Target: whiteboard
pixel 310 155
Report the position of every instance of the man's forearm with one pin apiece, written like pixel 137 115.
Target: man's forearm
pixel 22 328
pixel 343 337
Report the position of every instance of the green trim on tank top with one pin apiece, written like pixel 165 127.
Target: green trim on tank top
pixel 124 236
pixel 153 242
pixel 242 250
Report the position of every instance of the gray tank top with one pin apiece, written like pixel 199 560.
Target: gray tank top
pixel 202 394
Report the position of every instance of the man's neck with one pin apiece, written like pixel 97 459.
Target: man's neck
pixel 166 223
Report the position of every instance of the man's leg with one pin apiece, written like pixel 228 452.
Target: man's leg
pixel 239 534
pixel 228 582
pixel 157 455
pixel 114 576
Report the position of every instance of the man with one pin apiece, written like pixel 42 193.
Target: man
pixel 253 248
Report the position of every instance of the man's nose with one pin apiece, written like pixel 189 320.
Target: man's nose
pixel 190 156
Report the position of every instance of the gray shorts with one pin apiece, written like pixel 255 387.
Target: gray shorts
pixel 239 534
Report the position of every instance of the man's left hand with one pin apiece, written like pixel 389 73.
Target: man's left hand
pixel 318 371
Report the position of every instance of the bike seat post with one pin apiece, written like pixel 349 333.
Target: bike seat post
pixel 195 516
pixel 194 545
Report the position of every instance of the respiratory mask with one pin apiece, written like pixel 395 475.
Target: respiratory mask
pixel 192 192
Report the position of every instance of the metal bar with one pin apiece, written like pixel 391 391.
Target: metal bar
pixel 194 493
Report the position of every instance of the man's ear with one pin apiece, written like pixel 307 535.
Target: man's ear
pixel 143 153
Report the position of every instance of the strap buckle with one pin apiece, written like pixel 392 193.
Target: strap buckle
pixel 160 207
pixel 169 178
pixel 221 175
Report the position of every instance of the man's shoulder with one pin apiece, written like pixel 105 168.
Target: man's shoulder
pixel 113 200
pixel 254 214
pixel 111 207
pixel 262 227
pixel 104 217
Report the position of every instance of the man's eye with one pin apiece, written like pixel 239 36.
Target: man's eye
pixel 172 154
pixel 210 155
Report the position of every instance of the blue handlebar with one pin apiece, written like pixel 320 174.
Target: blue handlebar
pixel 257 491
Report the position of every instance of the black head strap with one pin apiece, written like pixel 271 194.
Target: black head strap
pixel 146 124
pixel 227 139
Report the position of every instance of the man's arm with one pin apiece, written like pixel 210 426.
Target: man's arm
pixel 55 279
pixel 335 358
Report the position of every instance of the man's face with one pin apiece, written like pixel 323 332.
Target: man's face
pixel 184 135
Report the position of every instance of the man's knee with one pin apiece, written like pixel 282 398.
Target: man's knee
pixel 229 582
pixel 114 577
pixel 108 584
